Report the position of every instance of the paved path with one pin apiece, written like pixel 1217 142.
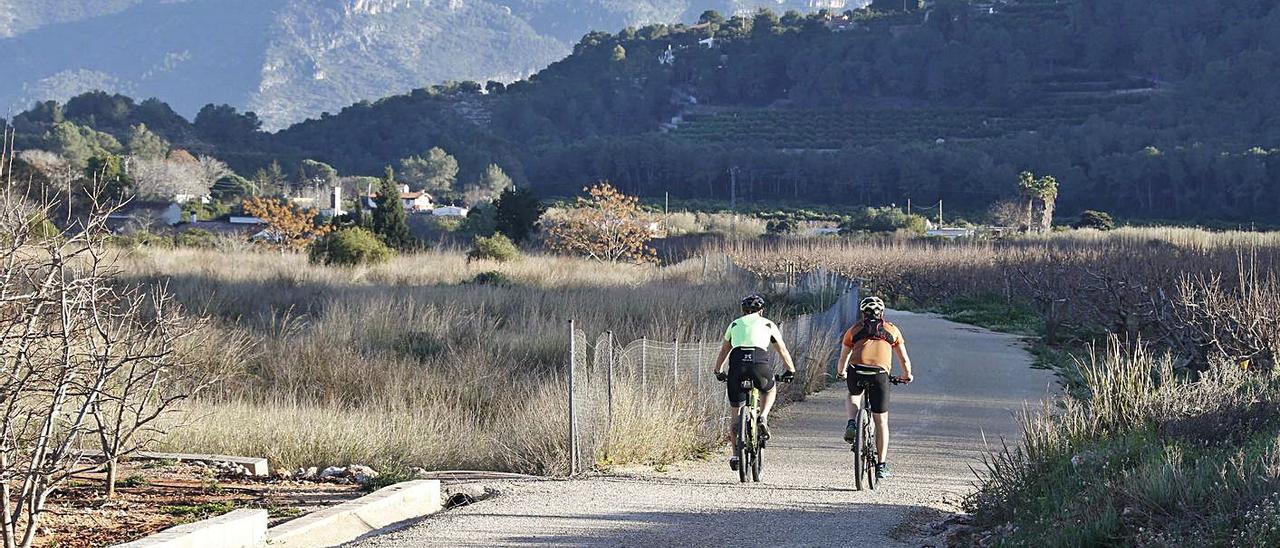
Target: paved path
pixel 968 382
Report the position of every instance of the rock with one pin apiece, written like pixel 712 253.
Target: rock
pixel 282 474
pixel 333 472
pixel 308 473
pixel 361 474
pixel 419 473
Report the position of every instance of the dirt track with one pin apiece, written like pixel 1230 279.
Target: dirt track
pixel 968 382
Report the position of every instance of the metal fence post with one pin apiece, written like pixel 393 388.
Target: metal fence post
pixel 609 381
pixel 675 364
pixel 644 369
pixel 573 415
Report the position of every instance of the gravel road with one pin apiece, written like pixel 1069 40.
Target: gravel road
pixel 968 382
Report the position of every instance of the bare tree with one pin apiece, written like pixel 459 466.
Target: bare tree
pixel 212 170
pixel 162 179
pixel 80 354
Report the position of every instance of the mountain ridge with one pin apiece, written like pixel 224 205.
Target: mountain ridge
pixel 289 60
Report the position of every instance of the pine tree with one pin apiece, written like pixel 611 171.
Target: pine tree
pixel 389 217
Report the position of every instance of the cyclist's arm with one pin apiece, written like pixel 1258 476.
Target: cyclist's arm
pixel 842 367
pixel 725 349
pixel 786 354
pixel 901 350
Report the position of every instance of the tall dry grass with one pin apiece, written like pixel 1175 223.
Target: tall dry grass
pixel 1132 282
pixel 1170 437
pixel 412 364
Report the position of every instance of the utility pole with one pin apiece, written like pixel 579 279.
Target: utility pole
pixel 908 206
pixel 666 203
pixel 939 212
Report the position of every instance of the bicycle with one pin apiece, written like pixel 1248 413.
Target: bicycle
pixel 748 446
pixel 865 457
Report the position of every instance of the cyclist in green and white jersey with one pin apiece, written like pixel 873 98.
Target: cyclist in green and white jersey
pixel 746 344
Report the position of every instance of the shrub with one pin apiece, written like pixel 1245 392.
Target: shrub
pixel 1095 219
pixel 492 277
pixel 196 237
pixel 783 226
pixel 497 247
pixel 350 247
pixel 883 219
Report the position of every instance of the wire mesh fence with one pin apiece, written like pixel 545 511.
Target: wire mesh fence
pixel 620 391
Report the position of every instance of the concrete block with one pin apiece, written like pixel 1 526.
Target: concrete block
pixel 255 465
pixel 354 519
pixel 235 529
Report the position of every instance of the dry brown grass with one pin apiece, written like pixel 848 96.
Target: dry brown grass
pixel 409 364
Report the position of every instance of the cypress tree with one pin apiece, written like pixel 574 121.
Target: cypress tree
pixel 389 217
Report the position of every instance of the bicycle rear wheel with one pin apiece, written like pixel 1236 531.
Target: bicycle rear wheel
pixel 743 443
pixel 757 462
pixel 869 461
pixel 859 461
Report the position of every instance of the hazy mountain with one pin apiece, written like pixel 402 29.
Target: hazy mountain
pixel 292 59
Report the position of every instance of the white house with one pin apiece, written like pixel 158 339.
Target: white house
pixel 450 211
pixel 414 202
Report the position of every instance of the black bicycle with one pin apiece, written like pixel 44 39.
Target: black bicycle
pixel 748 446
pixel 864 445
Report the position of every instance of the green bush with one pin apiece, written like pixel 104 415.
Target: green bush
pixel 883 219
pixel 492 277
pixel 1095 219
pixel 350 247
pixel 497 247
pixel 143 238
pixel 196 237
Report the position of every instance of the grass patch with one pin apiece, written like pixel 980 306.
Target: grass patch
pixel 196 512
pixel 994 312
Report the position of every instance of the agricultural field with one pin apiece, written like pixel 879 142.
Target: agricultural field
pixel 827 129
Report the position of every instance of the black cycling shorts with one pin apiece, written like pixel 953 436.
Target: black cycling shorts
pixel 876 384
pixel 752 364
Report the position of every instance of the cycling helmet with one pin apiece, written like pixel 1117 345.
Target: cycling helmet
pixel 871 305
pixel 752 304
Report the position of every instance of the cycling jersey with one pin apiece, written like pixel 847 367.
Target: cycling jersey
pixel 872 351
pixel 752 331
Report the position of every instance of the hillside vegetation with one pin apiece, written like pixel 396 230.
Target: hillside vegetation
pixel 1158 110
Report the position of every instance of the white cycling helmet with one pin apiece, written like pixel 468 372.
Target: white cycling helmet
pixel 872 304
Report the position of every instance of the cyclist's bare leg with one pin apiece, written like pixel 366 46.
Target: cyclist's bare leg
pixel 882 435
pixel 853 405
pixel 766 403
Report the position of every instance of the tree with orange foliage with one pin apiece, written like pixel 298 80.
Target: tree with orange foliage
pixel 606 225
pixel 289 226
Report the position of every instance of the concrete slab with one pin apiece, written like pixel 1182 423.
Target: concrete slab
pixel 235 529
pixel 351 520
pixel 255 465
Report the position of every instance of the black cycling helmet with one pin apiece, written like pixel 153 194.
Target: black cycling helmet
pixel 752 303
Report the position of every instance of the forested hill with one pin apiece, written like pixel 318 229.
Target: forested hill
pixel 1152 109
pixel 292 59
